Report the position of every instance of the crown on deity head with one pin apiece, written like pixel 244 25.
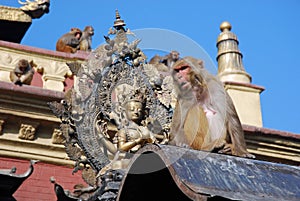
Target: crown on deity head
pixel 138 95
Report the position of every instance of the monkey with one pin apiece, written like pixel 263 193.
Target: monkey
pixel 23 73
pixel 164 63
pixel 205 117
pixel 69 42
pixel 85 43
pixel 170 59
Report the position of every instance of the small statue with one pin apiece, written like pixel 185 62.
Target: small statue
pixel 23 72
pixel 134 135
pixel 133 132
pixel 35 9
pixel 130 118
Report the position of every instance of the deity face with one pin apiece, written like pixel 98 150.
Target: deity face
pixel 180 74
pixel 134 111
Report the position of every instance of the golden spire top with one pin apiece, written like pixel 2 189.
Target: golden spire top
pixel 225 26
pixel 117 15
pixel 230 65
pixel 118 22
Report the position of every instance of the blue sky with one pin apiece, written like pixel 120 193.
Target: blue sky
pixel 268 32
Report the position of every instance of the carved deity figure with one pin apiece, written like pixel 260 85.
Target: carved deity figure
pixel 134 134
pixel 114 108
pixel 129 115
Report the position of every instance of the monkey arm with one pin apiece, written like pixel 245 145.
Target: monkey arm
pixel 73 42
pixel 13 77
pixel 236 132
pixel 27 77
pixel 176 124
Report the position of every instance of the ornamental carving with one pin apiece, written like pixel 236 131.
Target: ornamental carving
pixel 27 132
pixel 1 126
pixel 118 104
pixel 57 137
pixel 14 14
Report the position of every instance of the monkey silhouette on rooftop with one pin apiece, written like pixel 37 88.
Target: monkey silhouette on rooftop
pixel 85 43
pixel 164 63
pixel 170 59
pixel 69 42
pixel 204 117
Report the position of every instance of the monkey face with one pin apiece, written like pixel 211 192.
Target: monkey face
pixel 76 32
pixel 181 76
pixel 91 31
pixel 174 55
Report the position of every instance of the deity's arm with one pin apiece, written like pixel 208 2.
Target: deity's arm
pixel 125 145
pixel 108 144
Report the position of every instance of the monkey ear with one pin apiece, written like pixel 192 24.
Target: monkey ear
pixel 201 63
pixel 32 64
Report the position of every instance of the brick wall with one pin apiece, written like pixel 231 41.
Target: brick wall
pixel 38 186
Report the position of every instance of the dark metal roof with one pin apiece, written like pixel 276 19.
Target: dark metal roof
pixel 10 182
pixel 184 174
pixel 13 31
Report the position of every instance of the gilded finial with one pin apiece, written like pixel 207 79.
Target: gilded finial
pixel 225 26
pixel 118 22
pixel 117 15
pixel 230 64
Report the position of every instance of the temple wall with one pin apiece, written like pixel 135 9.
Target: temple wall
pixel 51 70
pixel 38 186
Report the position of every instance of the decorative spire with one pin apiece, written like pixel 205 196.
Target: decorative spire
pixel 119 23
pixel 230 65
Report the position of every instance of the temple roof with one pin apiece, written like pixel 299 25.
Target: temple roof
pixel 186 174
pixel 14 24
pixel 10 181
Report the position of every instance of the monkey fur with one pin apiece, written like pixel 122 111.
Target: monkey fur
pixel 69 42
pixel 164 63
pixel 23 73
pixel 170 59
pixel 85 43
pixel 205 117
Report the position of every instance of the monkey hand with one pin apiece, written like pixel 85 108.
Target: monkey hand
pixel 227 149
pixel 248 155
pixel 18 82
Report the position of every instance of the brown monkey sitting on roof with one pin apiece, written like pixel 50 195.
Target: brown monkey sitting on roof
pixel 69 42
pixel 205 117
